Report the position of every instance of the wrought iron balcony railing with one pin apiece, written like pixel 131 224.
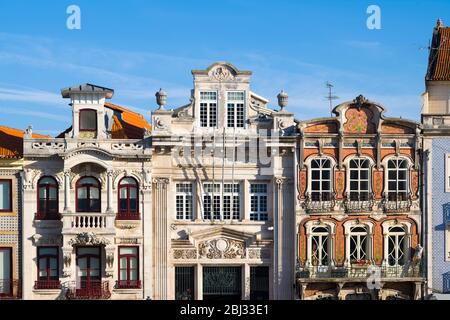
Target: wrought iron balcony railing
pixel 320 202
pixel 47 284
pixel 88 290
pixel 397 203
pixel 10 289
pixel 359 271
pixel 128 284
pixel 355 202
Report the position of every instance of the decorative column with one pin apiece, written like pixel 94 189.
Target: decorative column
pixel 246 282
pixel 199 282
pixel 109 253
pixel 67 261
pixel 67 174
pixel 278 239
pixel 109 175
pixel 161 237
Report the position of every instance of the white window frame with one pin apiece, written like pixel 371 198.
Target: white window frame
pixel 187 201
pixel 209 105
pixel 259 214
pixel 218 196
pixel 369 177
pixel 387 225
pixel 331 227
pixel 235 103
pixel 320 180
pixel 361 249
pixel 395 236
pixel 397 180
pixel 321 249
pixel 369 226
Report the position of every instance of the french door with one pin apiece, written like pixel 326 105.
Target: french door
pixel 89 268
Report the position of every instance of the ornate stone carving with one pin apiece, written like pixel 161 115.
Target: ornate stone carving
pixel 48 146
pixel 161 182
pixel 222 248
pixel 185 254
pixel 258 253
pixel 88 145
pixel 359 101
pixel 340 184
pixel 222 73
pixel 302 183
pixel 88 238
pixel 127 146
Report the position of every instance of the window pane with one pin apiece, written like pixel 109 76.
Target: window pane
pixel 315 174
pixel 364 174
pixel 94 193
pixel 123 263
pixel 123 193
pixel 88 120
pixel 5 195
pixel 128 250
pixel 326 174
pixel 82 193
pixel 133 193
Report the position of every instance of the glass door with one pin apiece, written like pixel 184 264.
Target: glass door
pixel 88 271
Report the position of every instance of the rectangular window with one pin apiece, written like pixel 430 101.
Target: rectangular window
pixel 359 179
pixel 128 268
pixel 221 202
pixel 5 195
pixel 88 120
pixel 235 109
pixel 184 201
pixel 184 283
pixel 258 202
pixel 208 109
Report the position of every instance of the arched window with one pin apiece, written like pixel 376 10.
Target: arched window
pixel 47 207
pixel 359 179
pixel 359 244
pixel 128 198
pixel 88 195
pixel 396 246
pixel 397 180
pixel 88 120
pixel 321 179
pixel 320 246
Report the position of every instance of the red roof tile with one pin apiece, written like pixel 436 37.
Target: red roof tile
pixel 439 59
pixel 11 142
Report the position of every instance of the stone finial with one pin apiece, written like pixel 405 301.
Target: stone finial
pixel 283 99
pixel 161 99
pixel 439 24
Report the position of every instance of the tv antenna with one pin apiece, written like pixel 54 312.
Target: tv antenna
pixel 330 97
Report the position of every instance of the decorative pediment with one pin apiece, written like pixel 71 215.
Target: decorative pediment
pixel 88 239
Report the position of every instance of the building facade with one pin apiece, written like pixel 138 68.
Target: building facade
pixel 86 195
pixel 223 192
pixel 436 144
pixel 359 220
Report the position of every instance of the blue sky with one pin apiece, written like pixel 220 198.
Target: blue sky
pixel 137 46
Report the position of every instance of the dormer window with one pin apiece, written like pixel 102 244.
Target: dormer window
pixel 88 120
pixel 235 109
pixel 208 109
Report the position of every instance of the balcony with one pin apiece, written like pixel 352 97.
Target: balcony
pixel 320 202
pixel 10 289
pixel 397 203
pixel 47 285
pixel 128 284
pixel 359 272
pixel 357 202
pixel 88 290
pixel 79 222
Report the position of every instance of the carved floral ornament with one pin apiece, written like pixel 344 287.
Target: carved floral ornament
pixel 88 238
pixel 222 248
pixel 221 73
